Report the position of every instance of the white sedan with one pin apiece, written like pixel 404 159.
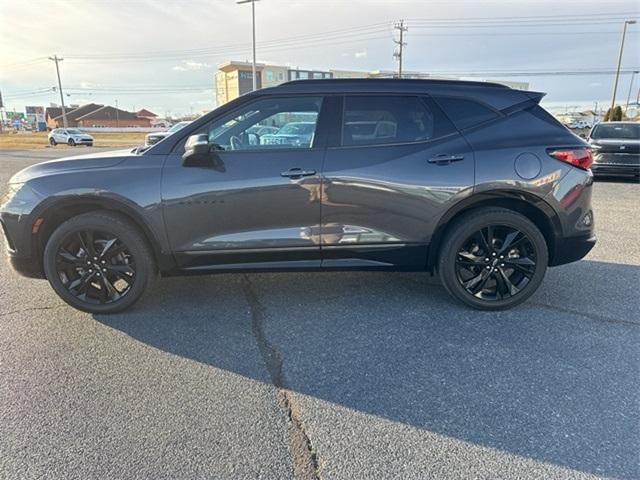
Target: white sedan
pixel 69 136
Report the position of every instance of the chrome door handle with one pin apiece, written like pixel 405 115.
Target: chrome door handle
pixel 445 158
pixel 297 173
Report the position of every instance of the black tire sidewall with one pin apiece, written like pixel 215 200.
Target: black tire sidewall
pixel 471 224
pixel 71 142
pixel 145 270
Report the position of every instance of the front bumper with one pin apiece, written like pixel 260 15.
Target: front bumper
pixel 572 249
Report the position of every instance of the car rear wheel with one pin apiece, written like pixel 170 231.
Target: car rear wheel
pixel 99 262
pixel 493 259
pixel 71 142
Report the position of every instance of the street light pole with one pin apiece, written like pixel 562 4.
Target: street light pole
pixel 633 76
pixel 253 43
pixel 615 83
pixel 64 113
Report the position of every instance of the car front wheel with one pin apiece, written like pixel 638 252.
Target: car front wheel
pixel 493 259
pixel 71 142
pixel 99 262
pixel 52 142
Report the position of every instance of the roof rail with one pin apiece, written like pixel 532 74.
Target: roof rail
pixel 432 81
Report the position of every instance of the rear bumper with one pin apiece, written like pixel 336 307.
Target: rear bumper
pixel 615 170
pixel 572 249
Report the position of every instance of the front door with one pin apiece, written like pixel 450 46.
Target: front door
pixel 397 164
pixel 258 204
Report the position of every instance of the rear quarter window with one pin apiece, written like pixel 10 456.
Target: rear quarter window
pixel 465 113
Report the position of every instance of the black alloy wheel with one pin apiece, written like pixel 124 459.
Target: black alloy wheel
pixel 99 262
pixel 52 142
pixel 496 263
pixel 95 267
pixel 72 142
pixel 492 258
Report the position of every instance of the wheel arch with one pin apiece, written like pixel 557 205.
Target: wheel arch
pixel 60 210
pixel 531 206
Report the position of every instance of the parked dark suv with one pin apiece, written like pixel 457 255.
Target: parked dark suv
pixel 474 181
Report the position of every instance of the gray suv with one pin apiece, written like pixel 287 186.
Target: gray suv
pixel 474 181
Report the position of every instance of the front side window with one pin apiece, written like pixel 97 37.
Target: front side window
pixel 269 123
pixel 375 120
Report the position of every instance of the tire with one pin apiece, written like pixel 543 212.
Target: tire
pixel 72 142
pixel 467 262
pixel 52 142
pixel 127 262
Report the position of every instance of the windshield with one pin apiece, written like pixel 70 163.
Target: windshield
pixel 73 131
pixel 178 126
pixel 297 129
pixel 626 131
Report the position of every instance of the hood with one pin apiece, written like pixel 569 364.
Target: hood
pixel 80 162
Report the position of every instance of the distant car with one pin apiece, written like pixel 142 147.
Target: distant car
pixel 293 133
pixel 616 149
pixel 155 137
pixel 70 136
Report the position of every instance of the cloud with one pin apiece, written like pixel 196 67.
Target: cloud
pixel 361 54
pixel 190 65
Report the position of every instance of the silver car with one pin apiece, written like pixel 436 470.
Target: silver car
pixel 69 136
pixel 155 137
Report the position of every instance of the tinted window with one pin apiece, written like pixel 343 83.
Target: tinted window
pixel 465 113
pixel 623 131
pixel 268 123
pixel 374 120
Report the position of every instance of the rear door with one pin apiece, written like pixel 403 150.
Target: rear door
pixel 393 168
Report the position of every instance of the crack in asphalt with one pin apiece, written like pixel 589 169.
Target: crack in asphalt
pixel 590 316
pixel 305 460
pixel 30 309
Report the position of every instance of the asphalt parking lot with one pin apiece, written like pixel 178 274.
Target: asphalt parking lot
pixel 357 375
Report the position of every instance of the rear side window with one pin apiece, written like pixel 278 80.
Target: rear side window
pixel 377 120
pixel 465 113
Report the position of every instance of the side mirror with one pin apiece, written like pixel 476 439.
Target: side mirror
pixel 196 151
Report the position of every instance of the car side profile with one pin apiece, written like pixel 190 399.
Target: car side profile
pixel 69 136
pixel 472 181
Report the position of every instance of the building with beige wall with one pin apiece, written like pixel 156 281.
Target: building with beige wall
pixel 236 78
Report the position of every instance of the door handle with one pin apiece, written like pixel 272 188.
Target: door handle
pixel 445 158
pixel 297 173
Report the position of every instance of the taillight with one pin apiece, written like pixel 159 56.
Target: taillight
pixel 578 157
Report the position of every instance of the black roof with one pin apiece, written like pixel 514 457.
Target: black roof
pixel 496 95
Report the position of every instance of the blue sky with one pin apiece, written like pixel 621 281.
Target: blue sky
pixel 162 54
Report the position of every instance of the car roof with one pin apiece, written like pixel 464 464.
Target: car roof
pixel 496 95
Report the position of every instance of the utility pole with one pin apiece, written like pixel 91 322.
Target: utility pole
pixel 401 44
pixel 117 115
pixel 615 82
pixel 64 113
pixel 633 76
pixel 253 43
